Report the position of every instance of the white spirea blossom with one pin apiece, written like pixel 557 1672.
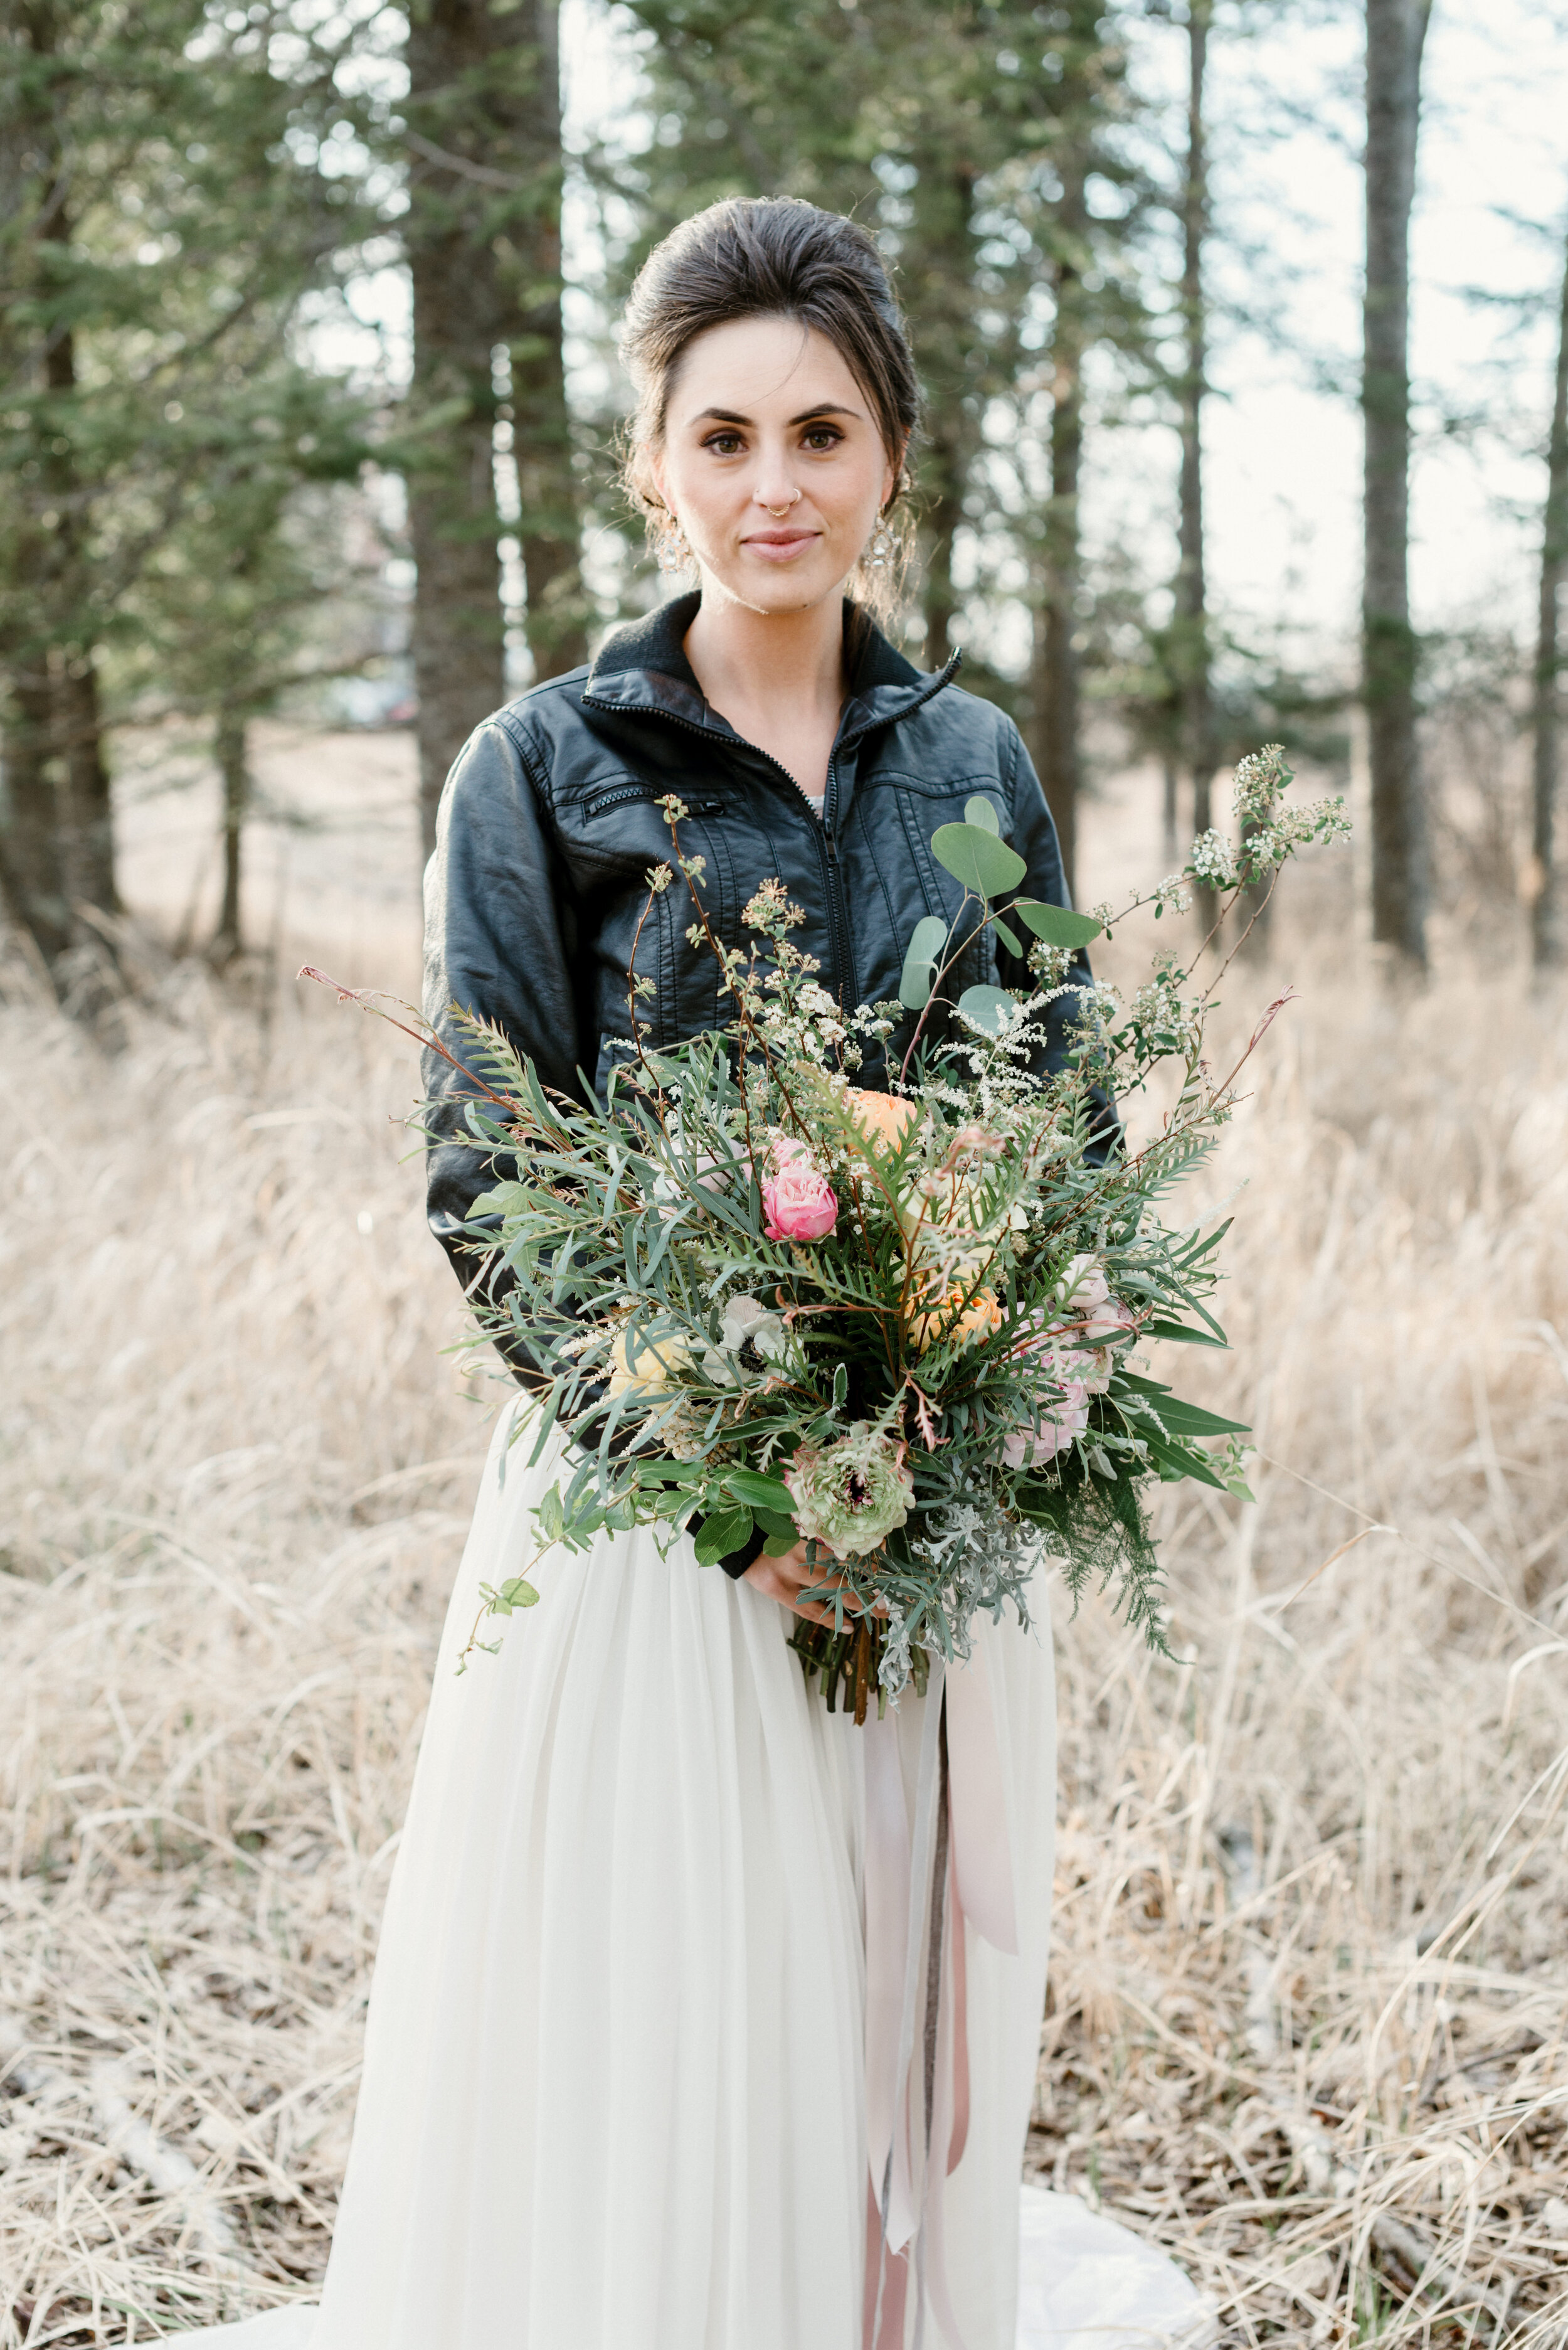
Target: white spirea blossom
pixel 1212 860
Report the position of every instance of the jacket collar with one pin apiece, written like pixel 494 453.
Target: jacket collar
pixel 643 666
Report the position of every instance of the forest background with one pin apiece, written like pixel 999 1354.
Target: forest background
pixel 308 418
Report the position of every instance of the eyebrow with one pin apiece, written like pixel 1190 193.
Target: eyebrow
pixel 730 416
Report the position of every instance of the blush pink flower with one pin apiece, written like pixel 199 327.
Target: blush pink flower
pixel 1096 1324
pixel 977 1141
pixel 1082 1286
pixel 1064 1414
pixel 800 1204
pixel 1109 1322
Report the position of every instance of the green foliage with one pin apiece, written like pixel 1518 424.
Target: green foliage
pixel 926 941
pixel 174 193
pixel 978 858
pixel 1058 926
pixel 935 1368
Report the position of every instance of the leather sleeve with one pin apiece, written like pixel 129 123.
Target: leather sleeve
pixel 499 943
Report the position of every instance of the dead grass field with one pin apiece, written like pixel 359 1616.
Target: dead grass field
pixel 1307 2015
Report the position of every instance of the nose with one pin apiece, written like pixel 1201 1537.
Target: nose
pixel 774 491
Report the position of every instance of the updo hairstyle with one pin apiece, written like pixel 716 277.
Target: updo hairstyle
pixel 772 257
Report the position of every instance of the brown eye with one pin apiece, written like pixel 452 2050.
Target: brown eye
pixel 723 444
pixel 822 436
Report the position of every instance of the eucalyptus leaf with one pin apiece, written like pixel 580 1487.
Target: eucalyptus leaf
pixel 982 811
pixel 1010 937
pixel 722 1534
pixel 759 1492
pixel 978 858
pixel 1058 925
pixel 516 1592
pixel 926 941
pixel 987 1006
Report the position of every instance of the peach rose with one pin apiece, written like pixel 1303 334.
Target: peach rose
pixel 957 1323
pixel 881 1117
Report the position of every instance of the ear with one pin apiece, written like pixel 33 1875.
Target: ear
pixel 893 476
pixel 653 459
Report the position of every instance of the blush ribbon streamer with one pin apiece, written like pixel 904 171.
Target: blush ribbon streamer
pixel 905 1915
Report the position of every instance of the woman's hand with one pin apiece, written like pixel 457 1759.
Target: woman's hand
pixel 786 1577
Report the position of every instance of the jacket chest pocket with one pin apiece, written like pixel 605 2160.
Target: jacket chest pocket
pixel 604 803
pixel 624 832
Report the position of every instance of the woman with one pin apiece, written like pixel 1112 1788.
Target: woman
pixel 616 2091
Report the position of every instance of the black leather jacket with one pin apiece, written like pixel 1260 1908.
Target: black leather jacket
pixel 548 825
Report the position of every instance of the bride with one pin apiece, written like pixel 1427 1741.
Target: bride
pixel 651 2062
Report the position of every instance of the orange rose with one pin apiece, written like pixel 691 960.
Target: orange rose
pixel 958 1323
pixel 881 1117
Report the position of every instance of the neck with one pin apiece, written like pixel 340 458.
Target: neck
pixel 744 659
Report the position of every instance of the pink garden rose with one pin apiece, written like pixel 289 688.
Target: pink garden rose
pixel 799 1204
pixel 1064 1416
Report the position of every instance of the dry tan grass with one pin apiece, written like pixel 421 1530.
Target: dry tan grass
pixel 1306 2020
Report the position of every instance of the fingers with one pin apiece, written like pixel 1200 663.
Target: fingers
pixel 784 1579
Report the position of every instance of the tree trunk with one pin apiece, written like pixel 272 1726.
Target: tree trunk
pixel 58 844
pixel 940 298
pixel 944 473
pixel 31 875
pixel 232 747
pixel 484 245
pixel 1053 671
pixel 557 618
pixel 1546 943
pixel 1192 586
pixel 1395 31
pixel 89 848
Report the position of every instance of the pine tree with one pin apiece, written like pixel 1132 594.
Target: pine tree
pixel 161 223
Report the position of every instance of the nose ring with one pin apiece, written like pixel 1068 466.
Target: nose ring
pixel 778 513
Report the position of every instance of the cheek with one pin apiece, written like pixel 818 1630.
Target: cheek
pixel 705 489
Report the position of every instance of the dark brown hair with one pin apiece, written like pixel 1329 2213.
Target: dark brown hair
pixel 766 256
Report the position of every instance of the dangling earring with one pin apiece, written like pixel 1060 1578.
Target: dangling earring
pixel 880 552
pixel 672 554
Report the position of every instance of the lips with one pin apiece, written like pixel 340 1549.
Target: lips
pixel 774 545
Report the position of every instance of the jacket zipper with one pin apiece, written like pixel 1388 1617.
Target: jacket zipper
pixel 824 827
pixel 599 801
pixel 828 860
pixel 833 874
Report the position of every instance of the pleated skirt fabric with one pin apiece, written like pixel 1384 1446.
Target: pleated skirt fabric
pixel 613 2095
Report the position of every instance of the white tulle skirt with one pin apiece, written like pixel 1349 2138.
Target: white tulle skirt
pixel 613 2095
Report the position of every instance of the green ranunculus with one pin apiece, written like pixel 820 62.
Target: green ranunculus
pixel 850 1495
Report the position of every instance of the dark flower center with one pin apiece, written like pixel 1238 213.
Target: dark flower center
pixel 855 1489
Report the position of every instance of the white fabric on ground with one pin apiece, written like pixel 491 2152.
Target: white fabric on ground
pixel 613 2094
pixel 1085 2284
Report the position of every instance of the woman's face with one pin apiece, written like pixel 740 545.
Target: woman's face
pixel 771 463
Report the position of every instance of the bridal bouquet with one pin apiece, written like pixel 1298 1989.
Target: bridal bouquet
pixel 902 1324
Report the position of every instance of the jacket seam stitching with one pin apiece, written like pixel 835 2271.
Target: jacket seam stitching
pixel 528 751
